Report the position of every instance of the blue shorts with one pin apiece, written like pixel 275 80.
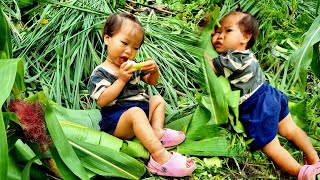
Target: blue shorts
pixel 261 113
pixel 111 114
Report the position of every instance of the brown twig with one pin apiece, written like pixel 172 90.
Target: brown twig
pixel 155 8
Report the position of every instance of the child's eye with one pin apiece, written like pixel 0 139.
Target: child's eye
pixel 229 30
pixel 136 48
pixel 125 43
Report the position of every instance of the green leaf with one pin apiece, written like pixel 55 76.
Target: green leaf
pixel 8 69
pixel 64 149
pixel 217 146
pixel 14 171
pixel 27 167
pixel 88 118
pixel 315 64
pixel 3 149
pixel 78 132
pixel 23 153
pixel 216 102
pixel 200 126
pixel 211 162
pixel 135 149
pixel 108 162
pixel 301 59
pixel 5 37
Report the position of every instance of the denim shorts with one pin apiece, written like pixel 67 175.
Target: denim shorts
pixel 261 113
pixel 111 114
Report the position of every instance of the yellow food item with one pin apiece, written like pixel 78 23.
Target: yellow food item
pixel 138 66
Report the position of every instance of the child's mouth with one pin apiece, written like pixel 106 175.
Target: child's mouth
pixel 217 44
pixel 123 59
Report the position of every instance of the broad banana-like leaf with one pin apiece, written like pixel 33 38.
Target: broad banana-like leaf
pixel 302 58
pixel 108 162
pixel 60 141
pixel 5 38
pixel 216 101
pixel 216 146
pixel 180 124
pixel 201 127
pixel 88 118
pixel 75 131
pixel 8 71
pixel 233 98
pixel 78 132
pixel 135 149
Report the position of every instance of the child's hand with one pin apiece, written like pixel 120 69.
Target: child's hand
pixel 150 66
pixel 125 72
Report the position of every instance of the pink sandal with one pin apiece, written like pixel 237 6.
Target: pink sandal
pixel 175 167
pixel 309 172
pixel 172 137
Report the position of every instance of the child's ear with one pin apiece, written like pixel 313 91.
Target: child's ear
pixel 246 38
pixel 106 39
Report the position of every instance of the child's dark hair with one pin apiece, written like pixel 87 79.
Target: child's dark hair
pixel 248 26
pixel 115 21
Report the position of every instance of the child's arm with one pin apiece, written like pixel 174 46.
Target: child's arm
pixel 152 69
pixel 210 62
pixel 112 92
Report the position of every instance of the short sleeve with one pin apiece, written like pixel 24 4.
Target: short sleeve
pixel 227 64
pixel 98 82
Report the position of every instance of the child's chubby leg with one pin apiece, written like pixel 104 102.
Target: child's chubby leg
pixel 288 129
pixel 157 114
pixel 168 137
pixel 134 122
pixel 281 157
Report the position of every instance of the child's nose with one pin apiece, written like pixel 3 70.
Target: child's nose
pixel 128 50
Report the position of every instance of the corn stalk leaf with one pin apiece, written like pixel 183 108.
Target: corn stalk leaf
pixel 27 167
pixel 14 172
pixel 78 132
pixel 216 146
pixel 82 125
pixel 64 149
pixel 88 118
pixel 301 59
pixel 216 101
pixel 5 37
pixel 3 149
pixel 8 71
pixel 201 127
pixel 108 162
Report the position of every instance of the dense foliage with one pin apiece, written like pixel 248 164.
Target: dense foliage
pixel 59 43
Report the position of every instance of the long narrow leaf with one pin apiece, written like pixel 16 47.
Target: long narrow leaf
pixel 217 146
pixel 111 164
pixel 216 102
pixel 5 37
pixel 8 71
pixel 64 149
pixel 302 58
pixel 3 149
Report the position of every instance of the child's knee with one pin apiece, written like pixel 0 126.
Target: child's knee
pixel 157 100
pixel 135 111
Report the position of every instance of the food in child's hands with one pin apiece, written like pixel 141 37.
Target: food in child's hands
pixel 137 66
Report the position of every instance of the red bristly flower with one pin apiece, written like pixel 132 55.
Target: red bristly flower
pixel 31 117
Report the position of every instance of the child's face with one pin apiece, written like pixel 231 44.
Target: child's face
pixel 124 44
pixel 229 36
